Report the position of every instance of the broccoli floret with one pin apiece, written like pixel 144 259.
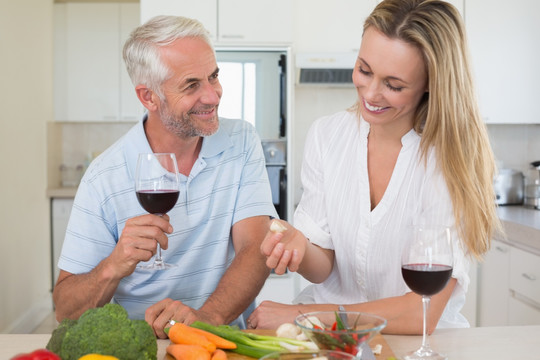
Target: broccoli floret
pixel 55 342
pixel 106 331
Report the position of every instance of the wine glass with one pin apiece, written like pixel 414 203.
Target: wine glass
pixel 157 187
pixel 426 266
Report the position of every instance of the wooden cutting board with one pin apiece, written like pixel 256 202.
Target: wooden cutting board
pixel 377 339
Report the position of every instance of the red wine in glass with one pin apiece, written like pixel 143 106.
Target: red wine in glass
pixel 157 201
pixel 157 188
pixel 426 267
pixel 425 279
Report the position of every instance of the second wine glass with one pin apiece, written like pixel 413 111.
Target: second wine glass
pixel 157 187
pixel 426 266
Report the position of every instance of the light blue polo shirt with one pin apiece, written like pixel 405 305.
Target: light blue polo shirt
pixel 227 183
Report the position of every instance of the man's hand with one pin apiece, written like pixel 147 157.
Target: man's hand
pixel 138 242
pixel 160 314
pixel 284 247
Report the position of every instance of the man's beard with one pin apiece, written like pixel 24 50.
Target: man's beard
pixel 182 126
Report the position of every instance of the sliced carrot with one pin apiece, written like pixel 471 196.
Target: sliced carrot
pixel 219 355
pixel 188 352
pixel 182 334
pixel 220 342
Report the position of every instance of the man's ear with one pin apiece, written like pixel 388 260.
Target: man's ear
pixel 147 97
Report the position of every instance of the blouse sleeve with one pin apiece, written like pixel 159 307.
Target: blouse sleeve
pixel 310 216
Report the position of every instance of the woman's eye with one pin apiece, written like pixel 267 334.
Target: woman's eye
pixel 362 71
pixel 393 88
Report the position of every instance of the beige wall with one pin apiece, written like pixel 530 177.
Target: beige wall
pixel 26 99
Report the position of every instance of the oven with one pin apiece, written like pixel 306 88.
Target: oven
pixel 276 165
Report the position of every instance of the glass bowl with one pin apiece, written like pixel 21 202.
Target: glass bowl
pixel 357 328
pixel 302 355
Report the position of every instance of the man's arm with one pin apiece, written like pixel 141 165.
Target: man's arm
pixel 74 294
pixel 244 279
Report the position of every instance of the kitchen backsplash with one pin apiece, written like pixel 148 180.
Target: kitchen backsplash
pixel 515 146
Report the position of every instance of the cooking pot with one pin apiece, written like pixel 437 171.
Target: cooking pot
pixel 508 186
pixel 532 188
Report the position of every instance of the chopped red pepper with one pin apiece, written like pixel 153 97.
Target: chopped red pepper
pixel 40 354
pixel 334 326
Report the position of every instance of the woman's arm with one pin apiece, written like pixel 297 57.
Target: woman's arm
pixel 403 313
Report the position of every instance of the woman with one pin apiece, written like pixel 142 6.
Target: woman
pixel 413 149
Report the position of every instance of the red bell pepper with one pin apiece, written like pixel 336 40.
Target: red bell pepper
pixel 40 354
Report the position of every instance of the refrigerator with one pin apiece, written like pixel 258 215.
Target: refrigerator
pixel 255 85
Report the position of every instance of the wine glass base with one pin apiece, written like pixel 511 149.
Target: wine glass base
pixel 422 354
pixel 157 266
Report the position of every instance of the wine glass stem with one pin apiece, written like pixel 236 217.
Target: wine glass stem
pixel 425 306
pixel 158 260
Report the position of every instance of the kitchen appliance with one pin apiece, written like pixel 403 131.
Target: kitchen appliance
pixel 257 88
pixel 532 188
pixel 275 155
pixel 509 186
pixel 334 69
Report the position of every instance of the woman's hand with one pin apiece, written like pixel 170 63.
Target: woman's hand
pixel 269 315
pixel 284 247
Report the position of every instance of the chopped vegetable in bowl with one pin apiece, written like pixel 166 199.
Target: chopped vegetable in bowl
pixel 340 330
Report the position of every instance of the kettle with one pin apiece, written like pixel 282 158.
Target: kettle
pixel 532 188
pixel 508 186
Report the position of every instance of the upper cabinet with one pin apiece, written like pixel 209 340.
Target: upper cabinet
pixel 232 21
pixel 90 80
pixel 504 40
pixel 321 26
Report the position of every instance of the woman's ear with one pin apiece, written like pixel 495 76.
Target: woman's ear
pixel 147 97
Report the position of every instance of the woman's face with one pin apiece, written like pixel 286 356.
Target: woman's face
pixel 390 77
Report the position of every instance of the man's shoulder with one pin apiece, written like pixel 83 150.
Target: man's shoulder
pixel 235 126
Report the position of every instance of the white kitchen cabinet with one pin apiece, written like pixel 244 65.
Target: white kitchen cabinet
pixel 60 212
pixel 524 302
pixel 232 21
pixel 278 288
pixel 522 311
pixel 324 27
pixel 91 83
pixel 203 10
pixel 504 40
pixel 493 286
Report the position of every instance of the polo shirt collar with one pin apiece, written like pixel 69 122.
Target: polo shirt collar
pixel 216 143
pixel 211 146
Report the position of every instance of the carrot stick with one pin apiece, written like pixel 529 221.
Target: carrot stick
pixel 188 352
pixel 219 355
pixel 220 342
pixel 182 334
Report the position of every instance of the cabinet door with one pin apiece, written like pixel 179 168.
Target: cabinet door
pixel 61 210
pixel 261 21
pixel 493 283
pixel 92 61
pixel 203 10
pixel 278 288
pixel 522 311
pixel 503 39
pixel 337 27
pixel 131 108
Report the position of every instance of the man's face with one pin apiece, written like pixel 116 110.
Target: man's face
pixel 193 92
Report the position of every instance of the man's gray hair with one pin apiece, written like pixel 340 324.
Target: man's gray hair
pixel 141 50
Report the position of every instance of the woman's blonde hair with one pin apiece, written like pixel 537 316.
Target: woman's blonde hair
pixel 448 117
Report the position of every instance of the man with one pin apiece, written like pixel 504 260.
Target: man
pixel 213 233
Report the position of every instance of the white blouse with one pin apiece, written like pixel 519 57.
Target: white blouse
pixel 335 213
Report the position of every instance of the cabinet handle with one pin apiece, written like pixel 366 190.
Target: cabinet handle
pixel 529 276
pixel 225 36
pixel 502 249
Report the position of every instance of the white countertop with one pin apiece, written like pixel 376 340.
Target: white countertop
pixel 490 343
pixel 522 227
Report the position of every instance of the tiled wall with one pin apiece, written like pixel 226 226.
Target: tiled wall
pixel 515 146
